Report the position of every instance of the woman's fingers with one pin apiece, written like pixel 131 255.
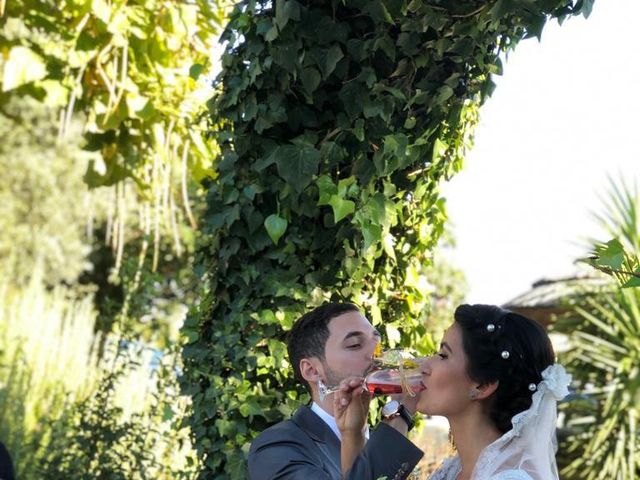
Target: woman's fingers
pixel 345 391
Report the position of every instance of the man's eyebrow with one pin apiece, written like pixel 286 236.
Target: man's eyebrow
pixel 353 334
pixel 358 333
pixel 446 345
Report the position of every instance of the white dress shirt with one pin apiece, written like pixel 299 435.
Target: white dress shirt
pixel 331 422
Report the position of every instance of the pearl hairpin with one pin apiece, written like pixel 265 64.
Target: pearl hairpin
pixel 532 387
pixel 505 354
pixel 491 327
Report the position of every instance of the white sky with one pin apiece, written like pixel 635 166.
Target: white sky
pixel 563 116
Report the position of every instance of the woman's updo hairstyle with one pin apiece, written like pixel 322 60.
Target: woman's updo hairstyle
pixel 508 348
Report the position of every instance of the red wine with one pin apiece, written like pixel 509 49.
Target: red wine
pixel 389 388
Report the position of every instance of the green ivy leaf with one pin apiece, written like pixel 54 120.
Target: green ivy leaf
pixel 297 165
pixel 334 55
pixel 285 11
pixel 327 189
pixel 445 93
pixel 439 149
pixel 371 235
pixel 341 207
pixel 358 129
pixel 310 79
pixel 276 226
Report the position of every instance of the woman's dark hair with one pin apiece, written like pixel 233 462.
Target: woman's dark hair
pixel 487 332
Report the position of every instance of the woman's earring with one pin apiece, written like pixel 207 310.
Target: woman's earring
pixel 473 394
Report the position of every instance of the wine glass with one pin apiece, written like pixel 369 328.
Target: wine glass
pixel 393 372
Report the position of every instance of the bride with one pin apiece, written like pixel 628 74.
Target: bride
pixel 496 382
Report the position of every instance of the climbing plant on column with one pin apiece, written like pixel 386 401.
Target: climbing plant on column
pixel 337 121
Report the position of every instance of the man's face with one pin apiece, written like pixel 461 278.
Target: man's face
pixel 349 348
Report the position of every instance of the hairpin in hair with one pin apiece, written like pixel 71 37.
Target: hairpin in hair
pixel 491 327
pixel 532 387
pixel 505 354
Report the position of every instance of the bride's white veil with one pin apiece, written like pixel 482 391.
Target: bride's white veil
pixel 531 444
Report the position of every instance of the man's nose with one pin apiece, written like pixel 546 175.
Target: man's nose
pixel 374 347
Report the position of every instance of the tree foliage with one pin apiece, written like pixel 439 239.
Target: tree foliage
pixel 604 359
pixel 131 69
pixel 43 217
pixel 603 328
pixel 336 122
pixel 620 256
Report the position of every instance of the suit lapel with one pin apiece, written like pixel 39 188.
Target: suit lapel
pixel 320 432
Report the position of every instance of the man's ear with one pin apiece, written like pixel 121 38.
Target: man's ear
pixel 485 390
pixel 311 370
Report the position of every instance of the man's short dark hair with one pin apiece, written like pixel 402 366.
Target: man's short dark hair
pixel 310 333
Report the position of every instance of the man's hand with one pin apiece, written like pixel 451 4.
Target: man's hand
pixel 351 406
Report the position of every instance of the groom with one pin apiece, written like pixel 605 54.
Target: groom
pixel 328 344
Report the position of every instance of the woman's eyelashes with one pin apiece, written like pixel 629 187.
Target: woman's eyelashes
pixel 442 355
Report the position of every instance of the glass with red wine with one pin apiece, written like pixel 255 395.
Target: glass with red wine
pixel 393 372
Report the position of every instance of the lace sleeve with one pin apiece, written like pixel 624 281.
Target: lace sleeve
pixel 448 471
pixel 512 475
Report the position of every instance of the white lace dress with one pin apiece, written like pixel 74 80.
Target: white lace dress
pixel 451 468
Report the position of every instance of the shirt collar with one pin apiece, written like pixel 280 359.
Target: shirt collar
pixel 331 422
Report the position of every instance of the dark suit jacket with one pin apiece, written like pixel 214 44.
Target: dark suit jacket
pixel 305 448
pixel 6 466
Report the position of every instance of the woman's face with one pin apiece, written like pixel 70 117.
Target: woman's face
pixel 444 375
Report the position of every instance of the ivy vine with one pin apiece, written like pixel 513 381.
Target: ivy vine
pixel 337 122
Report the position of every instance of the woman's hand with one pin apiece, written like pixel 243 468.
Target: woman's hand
pixel 350 409
pixel 351 406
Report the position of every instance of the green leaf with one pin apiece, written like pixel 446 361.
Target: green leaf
pixel 504 7
pixel 327 189
pixel 101 10
pixel 388 243
pixel 612 256
pixel 445 93
pixel 297 165
pixel 285 11
pixel 358 129
pixel 409 123
pixel 195 70
pixel 341 207
pixel 334 55
pixel 439 149
pixel 271 34
pixel 634 281
pixel 371 234
pixel 23 66
pixel 167 412
pixel 310 79
pixel 276 226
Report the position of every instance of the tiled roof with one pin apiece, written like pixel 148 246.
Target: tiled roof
pixel 547 293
